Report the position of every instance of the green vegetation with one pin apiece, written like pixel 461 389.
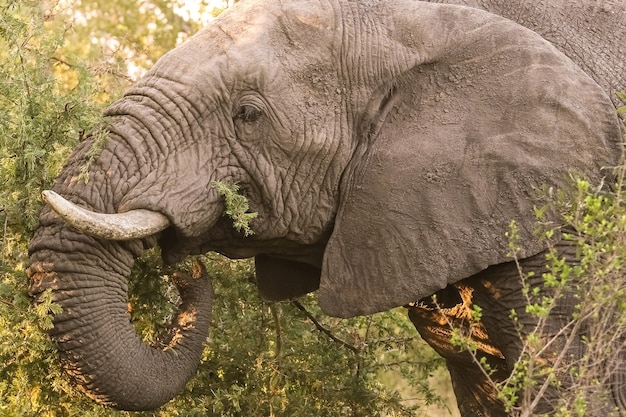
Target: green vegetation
pixel 287 358
pixel 599 218
pixel 236 206
pixel 594 284
pixel 61 62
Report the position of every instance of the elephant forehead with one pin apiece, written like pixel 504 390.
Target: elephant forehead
pixel 253 22
pixel 256 44
pixel 247 26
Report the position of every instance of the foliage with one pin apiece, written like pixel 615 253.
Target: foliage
pixel 236 206
pixel 594 283
pixel 298 364
pixel 61 62
pixel 35 104
pixel 599 220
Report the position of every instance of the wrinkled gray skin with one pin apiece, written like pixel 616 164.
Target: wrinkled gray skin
pixel 385 145
pixel 590 32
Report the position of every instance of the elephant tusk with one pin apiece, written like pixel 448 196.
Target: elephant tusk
pixel 134 224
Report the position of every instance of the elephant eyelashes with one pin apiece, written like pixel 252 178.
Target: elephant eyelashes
pixel 247 119
pixel 249 114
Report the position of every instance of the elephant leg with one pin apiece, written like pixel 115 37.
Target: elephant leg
pixel 498 338
pixel 564 343
pixel 436 318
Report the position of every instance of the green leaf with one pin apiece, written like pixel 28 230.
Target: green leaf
pixel 236 206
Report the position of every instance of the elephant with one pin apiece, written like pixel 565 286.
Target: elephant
pixel 385 147
pixel 591 33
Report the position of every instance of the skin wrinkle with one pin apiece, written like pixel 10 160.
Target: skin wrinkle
pixel 135 163
pixel 326 160
pixel 343 70
pixel 250 167
pixel 193 116
pixel 92 357
pixel 84 252
pixel 133 168
pixel 306 184
pixel 146 110
pixel 278 184
pixel 177 107
pixel 194 129
pixel 355 57
pixel 308 147
pixel 143 153
pixel 91 308
pixel 170 84
pixel 383 33
pixel 328 192
pixel 107 334
pixel 263 179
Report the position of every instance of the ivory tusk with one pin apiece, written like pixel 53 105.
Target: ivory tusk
pixel 134 224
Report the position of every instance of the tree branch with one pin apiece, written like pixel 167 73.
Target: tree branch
pixel 279 336
pixel 324 330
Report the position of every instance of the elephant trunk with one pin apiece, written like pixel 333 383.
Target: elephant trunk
pixel 98 345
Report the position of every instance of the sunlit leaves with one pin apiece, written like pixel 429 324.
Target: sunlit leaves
pixel 572 366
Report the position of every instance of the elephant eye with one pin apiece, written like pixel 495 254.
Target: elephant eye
pixel 248 113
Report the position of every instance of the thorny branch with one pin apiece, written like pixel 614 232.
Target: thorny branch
pixel 279 336
pixel 4 234
pixel 324 330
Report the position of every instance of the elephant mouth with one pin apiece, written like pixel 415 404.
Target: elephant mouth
pixel 143 224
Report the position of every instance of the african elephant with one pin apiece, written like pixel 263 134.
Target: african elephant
pixel 386 146
pixel 589 32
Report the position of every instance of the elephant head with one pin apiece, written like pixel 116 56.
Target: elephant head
pixel 385 146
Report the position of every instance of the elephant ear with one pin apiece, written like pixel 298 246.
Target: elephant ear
pixel 451 151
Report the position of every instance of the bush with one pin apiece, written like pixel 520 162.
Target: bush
pixel 550 370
